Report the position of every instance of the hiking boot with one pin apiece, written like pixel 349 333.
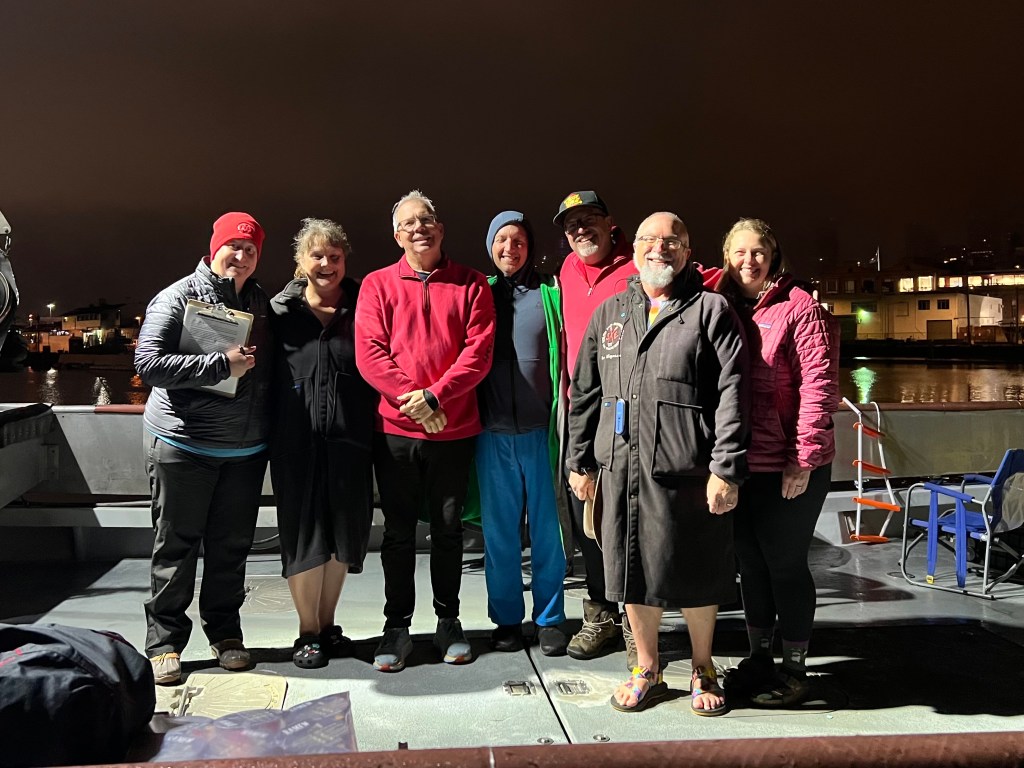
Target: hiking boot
pixel 451 642
pixel 395 645
pixel 627 636
pixel 507 638
pixel 231 654
pixel 599 632
pixel 166 669
pixel 552 641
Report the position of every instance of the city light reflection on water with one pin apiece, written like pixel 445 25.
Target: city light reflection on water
pixel 901 382
pixel 881 381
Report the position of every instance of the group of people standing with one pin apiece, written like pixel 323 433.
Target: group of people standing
pixel 702 398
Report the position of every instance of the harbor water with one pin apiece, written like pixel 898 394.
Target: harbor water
pixel 881 381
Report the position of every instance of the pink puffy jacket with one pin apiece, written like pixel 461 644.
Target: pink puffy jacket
pixel 794 365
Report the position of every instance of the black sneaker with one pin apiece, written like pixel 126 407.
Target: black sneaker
pixel 552 641
pixel 395 645
pixel 451 642
pixel 507 638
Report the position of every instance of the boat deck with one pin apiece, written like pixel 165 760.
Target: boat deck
pixel 887 658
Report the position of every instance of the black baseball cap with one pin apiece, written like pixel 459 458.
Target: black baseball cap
pixel 586 197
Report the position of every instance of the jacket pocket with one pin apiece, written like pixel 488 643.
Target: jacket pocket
pixel 679 441
pixel 604 440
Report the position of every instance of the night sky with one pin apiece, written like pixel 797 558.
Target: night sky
pixel 128 126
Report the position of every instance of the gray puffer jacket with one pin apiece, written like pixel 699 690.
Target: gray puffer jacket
pixel 176 407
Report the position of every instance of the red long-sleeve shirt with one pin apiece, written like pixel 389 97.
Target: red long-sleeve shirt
pixel 583 290
pixel 435 334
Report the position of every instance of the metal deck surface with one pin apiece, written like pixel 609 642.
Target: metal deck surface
pixel 888 658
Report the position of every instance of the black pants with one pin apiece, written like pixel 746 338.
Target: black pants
pixel 593 558
pixel 199 500
pixel 417 477
pixel 773 536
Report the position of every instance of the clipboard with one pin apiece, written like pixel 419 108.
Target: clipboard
pixel 208 328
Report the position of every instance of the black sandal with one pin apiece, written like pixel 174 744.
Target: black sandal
pixel 334 642
pixel 308 654
pixel 787 690
pixel 751 675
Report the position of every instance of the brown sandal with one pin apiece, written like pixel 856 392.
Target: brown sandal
pixel 705 680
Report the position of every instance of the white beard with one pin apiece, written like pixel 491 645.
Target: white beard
pixel 657 277
pixel 585 250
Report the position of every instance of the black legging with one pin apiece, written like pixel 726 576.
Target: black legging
pixel 773 536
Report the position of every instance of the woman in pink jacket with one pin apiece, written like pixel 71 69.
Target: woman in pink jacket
pixel 794 350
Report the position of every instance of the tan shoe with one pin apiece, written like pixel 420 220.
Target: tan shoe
pixel 166 669
pixel 598 633
pixel 231 654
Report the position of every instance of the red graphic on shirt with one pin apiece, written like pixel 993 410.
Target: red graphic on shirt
pixel 612 336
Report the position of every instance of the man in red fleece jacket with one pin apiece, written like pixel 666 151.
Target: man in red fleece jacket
pixel 424 340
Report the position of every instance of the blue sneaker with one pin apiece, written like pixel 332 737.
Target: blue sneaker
pixel 451 642
pixel 395 645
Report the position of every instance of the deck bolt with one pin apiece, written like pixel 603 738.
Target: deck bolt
pixel 601 737
pixel 545 740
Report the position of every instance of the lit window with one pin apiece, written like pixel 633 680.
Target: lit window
pixel 906 285
pixel 974 281
pixel 956 282
pixel 849 286
pixel 925 283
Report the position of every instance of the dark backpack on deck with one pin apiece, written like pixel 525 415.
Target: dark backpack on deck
pixel 70 695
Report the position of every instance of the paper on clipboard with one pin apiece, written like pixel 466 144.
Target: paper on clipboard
pixel 209 328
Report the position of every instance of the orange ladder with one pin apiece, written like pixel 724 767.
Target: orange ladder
pixel 877 436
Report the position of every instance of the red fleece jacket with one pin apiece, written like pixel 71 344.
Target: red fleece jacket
pixel 580 298
pixel 435 334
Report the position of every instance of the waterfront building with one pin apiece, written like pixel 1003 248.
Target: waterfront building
pixel 923 303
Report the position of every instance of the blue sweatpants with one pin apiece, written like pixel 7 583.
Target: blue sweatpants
pixel 514 471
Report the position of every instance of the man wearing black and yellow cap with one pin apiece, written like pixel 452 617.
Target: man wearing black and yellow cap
pixel 597 268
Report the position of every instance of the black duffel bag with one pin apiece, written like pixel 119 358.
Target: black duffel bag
pixel 70 696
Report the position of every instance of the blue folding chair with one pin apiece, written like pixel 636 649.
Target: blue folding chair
pixel 979 519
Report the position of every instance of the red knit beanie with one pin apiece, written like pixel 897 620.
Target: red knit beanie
pixel 236 226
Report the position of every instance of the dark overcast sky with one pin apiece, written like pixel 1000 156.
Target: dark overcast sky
pixel 128 126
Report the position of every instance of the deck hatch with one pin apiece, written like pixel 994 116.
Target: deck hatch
pixel 572 687
pixel 517 688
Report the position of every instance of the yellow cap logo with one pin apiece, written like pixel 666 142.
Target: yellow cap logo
pixel 572 200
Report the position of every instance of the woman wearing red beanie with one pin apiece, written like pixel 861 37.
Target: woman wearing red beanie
pixel 205 453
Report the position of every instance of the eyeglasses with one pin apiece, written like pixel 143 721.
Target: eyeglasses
pixel 670 243
pixel 587 220
pixel 410 225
